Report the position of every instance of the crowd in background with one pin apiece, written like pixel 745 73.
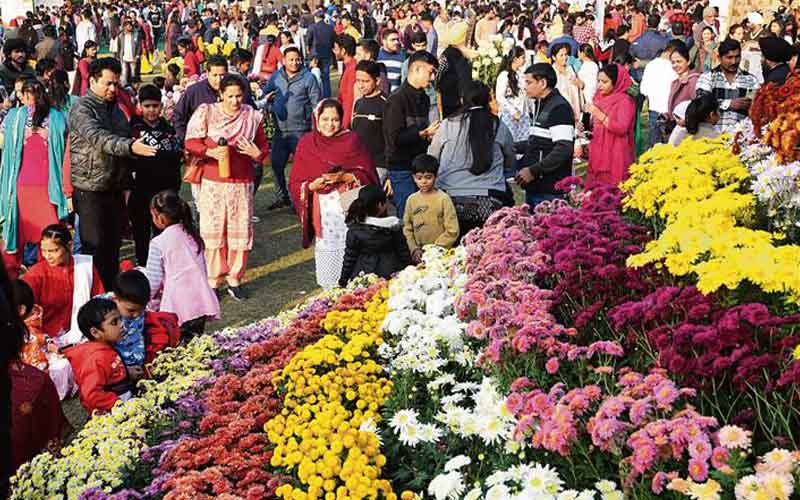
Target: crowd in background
pixel 380 133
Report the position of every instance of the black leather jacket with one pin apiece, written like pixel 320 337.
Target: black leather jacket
pixel 100 145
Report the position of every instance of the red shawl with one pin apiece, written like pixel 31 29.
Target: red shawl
pixel 316 155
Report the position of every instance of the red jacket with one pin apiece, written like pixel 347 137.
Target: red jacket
pixel 97 368
pixel 347 91
pixel 161 330
pixel 191 66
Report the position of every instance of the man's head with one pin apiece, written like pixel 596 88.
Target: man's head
pixel 128 26
pixel 132 292
pixel 426 20
pixel 150 102
pixel 367 50
pixel 292 60
pixel 346 20
pixel 709 15
pixel 344 47
pixel 16 50
pixel 293 26
pixel 104 77
pixel 49 31
pixel 99 321
pixel 242 59
pixel 540 80
pixel 730 55
pixel 775 50
pixel 653 21
pixel 217 69
pixel 391 41
pixel 421 69
pixel 367 75
pixel 419 41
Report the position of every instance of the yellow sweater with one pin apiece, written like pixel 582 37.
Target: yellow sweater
pixel 430 219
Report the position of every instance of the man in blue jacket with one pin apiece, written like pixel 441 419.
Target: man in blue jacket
pixel 320 43
pixel 291 94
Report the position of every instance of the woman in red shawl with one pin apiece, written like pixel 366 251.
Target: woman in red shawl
pixel 328 162
pixel 37 421
pixel 613 111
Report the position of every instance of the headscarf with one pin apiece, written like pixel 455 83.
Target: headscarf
pixel 607 102
pixel 455 34
pixel 210 121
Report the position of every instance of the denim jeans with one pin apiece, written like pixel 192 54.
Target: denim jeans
pixel 282 146
pixel 403 186
pixel 76 238
pixel 325 71
pixel 534 199
pixel 656 133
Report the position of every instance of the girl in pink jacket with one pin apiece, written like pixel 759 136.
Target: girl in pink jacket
pixel 176 266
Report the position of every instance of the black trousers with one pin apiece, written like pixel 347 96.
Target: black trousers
pixel 100 214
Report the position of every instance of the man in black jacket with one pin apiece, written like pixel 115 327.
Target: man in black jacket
pixel 100 144
pixel 550 148
pixel 406 126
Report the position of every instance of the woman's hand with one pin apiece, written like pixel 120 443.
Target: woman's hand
pixel 517 115
pixel 216 153
pixel 248 148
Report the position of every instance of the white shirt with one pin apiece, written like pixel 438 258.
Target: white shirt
pixel 656 82
pixel 588 75
pixel 128 54
pixel 84 32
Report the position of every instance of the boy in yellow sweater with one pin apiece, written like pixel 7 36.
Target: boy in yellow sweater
pixel 429 217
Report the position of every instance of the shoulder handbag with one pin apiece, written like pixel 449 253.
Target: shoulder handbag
pixel 193 174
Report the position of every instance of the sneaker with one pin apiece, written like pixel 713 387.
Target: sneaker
pixel 279 203
pixel 255 219
pixel 237 293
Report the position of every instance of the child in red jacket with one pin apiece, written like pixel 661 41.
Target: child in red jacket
pixel 99 370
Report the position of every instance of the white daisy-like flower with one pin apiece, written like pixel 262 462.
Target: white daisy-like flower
pixel 409 435
pixel 777 485
pixel 498 492
pixel 605 486
pixel 449 486
pixel 777 460
pixel 429 433
pixel 474 494
pixel 457 462
pixel 403 419
pixel 544 479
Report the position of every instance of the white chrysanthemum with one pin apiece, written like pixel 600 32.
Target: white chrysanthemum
pixel 777 460
pixel 605 486
pixel 498 492
pixel 449 486
pixel 403 419
pixel 429 433
pixel 457 462
pixel 452 399
pixel 747 487
pixel 491 430
pixel 544 479
pixel 612 495
pixel 568 495
pixel 409 434
pixel 778 486
pixel 586 495
pixel 474 494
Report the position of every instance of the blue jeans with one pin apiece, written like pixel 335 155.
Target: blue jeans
pixel 403 186
pixel 76 239
pixel 325 73
pixel 282 146
pixel 656 133
pixel 534 199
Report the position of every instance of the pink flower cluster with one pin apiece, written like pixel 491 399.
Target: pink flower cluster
pixel 552 418
pixel 501 301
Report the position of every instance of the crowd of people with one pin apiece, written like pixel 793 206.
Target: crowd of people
pixel 408 150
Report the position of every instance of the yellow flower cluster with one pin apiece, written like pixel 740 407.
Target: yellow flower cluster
pixel 218 46
pixel 699 190
pixel 333 387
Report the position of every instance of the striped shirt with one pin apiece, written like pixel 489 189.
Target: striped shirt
pixel 714 83
pixel 394 66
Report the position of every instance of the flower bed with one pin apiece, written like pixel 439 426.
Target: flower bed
pixel 636 343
